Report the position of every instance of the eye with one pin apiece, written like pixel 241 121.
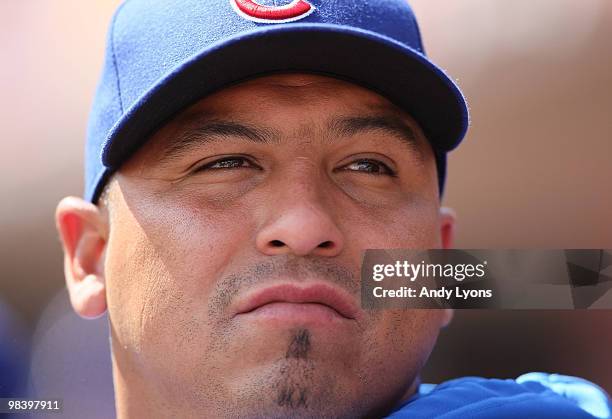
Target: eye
pixel 369 166
pixel 231 162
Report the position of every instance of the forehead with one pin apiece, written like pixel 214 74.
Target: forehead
pixel 272 99
pixel 296 88
pixel 288 104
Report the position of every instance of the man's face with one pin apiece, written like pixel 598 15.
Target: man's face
pixel 233 257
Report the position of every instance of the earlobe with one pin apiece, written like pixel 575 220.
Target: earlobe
pixel 447 227
pixel 88 296
pixel 447 316
pixel 83 231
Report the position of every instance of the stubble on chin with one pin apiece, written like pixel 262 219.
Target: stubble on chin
pixel 294 383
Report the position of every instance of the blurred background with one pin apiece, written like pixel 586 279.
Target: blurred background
pixel 534 172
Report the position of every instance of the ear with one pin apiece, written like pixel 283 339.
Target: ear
pixel 83 230
pixel 447 227
pixel 447 316
pixel 447 235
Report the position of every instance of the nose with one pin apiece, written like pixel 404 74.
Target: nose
pixel 301 225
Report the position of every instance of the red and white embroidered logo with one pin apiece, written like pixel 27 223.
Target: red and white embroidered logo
pixel 251 10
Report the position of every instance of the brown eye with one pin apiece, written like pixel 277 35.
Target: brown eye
pixel 234 162
pixel 369 166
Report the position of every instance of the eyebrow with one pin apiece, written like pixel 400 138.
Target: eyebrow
pixel 208 130
pixel 386 124
pixel 205 130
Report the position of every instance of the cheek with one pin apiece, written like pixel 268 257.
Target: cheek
pixel 413 224
pixel 162 262
pixel 410 330
pixel 398 347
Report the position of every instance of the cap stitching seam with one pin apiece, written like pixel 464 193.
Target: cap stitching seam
pixel 114 58
pixel 418 33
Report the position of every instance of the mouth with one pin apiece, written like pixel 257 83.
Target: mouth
pixel 304 301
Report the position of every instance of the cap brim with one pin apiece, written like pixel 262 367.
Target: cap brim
pixel 403 75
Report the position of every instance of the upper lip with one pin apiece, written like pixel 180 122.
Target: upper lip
pixel 315 292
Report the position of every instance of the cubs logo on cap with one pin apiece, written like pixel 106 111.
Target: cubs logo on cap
pixel 164 55
pixel 251 10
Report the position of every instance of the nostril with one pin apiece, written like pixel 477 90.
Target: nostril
pixel 326 244
pixel 277 243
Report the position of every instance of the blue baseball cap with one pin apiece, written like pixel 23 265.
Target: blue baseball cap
pixel 164 55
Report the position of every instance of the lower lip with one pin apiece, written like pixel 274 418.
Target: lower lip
pixel 296 312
